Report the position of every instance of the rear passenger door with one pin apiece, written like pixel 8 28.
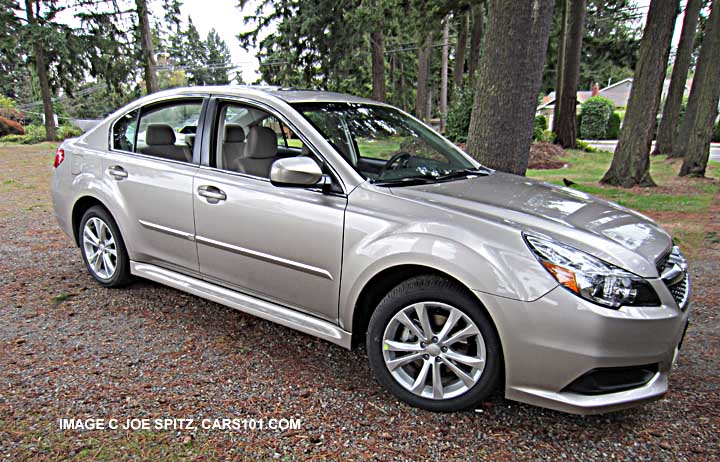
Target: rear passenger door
pixel 150 167
pixel 279 244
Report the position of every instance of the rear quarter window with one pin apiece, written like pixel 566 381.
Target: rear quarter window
pixel 123 132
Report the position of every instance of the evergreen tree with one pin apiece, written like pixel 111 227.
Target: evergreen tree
pixel 216 60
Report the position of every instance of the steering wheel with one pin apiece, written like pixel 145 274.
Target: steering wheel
pixel 393 160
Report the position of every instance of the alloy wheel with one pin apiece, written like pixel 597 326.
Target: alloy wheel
pixel 100 248
pixel 434 350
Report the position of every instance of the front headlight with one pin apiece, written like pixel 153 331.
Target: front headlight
pixel 591 278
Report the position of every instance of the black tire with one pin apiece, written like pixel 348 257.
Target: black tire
pixel 121 275
pixel 434 289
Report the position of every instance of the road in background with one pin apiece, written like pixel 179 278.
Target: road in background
pixel 609 145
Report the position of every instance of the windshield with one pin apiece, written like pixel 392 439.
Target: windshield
pixel 385 145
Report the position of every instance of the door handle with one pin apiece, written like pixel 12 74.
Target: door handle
pixel 212 193
pixel 117 172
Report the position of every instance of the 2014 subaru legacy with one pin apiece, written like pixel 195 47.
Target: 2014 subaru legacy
pixel 350 220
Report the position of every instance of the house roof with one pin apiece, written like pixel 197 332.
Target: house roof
pixel 583 96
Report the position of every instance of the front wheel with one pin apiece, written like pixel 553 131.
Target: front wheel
pixel 432 346
pixel 103 248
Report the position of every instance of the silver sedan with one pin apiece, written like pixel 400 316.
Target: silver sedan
pixel 350 220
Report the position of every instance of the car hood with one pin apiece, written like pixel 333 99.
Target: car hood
pixel 604 229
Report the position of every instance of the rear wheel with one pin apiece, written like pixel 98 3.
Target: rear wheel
pixel 103 248
pixel 431 345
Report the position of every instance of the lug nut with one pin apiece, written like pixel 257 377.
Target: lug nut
pixel 423 344
pixel 444 349
pixel 426 356
pixel 434 339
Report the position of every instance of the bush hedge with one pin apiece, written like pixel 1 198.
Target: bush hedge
pixel 613 127
pixel 10 127
pixel 716 133
pixel 539 126
pixel 594 117
pixel 36 134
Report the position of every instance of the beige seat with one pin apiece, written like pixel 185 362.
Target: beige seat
pixel 260 152
pixel 233 147
pixel 160 140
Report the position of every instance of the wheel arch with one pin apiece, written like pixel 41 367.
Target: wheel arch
pixel 79 208
pixel 384 281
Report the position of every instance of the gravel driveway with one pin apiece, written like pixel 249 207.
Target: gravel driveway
pixel 71 349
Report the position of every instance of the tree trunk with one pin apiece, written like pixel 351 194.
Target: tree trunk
pixel 684 133
pixel 707 89
pixel 377 52
pixel 566 122
pixel 422 77
pixel 508 82
pixel 631 163
pixel 444 73
pixel 459 67
pixel 673 102
pixel 476 37
pixel 560 65
pixel 151 80
pixel 44 80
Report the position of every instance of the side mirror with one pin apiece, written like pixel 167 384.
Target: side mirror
pixel 297 172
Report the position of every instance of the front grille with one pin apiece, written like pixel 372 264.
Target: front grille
pixel 680 290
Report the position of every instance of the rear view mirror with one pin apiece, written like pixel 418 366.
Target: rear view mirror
pixel 295 171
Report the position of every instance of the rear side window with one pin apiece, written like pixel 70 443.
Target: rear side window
pixel 168 131
pixel 124 132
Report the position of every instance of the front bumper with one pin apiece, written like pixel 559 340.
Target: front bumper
pixel 552 341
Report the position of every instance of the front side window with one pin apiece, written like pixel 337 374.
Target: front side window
pixel 385 145
pixel 248 140
pixel 168 131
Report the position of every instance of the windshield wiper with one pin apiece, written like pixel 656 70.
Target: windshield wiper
pixel 406 181
pixel 427 178
pixel 462 173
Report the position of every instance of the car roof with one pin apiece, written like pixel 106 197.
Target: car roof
pixel 289 95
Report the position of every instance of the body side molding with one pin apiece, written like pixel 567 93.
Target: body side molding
pixel 323 273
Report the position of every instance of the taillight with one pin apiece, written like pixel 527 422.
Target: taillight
pixel 59 157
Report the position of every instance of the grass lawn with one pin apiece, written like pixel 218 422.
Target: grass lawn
pixel 681 205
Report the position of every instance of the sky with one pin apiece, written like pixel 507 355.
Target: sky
pixel 227 19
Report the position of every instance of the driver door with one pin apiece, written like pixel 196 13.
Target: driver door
pixel 276 243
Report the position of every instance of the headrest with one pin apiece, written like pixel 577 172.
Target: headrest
pixel 234 133
pixel 261 143
pixel 160 135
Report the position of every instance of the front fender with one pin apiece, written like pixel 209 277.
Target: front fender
pixel 507 270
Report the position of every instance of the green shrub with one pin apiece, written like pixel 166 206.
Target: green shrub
pixel 7 103
pixel 69 131
pixel 539 126
pixel 34 134
pixel 458 117
pixel 17 139
pixel 613 127
pixel 594 117
pixel 547 136
pixel 584 146
pixel 716 132
pixel 10 127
